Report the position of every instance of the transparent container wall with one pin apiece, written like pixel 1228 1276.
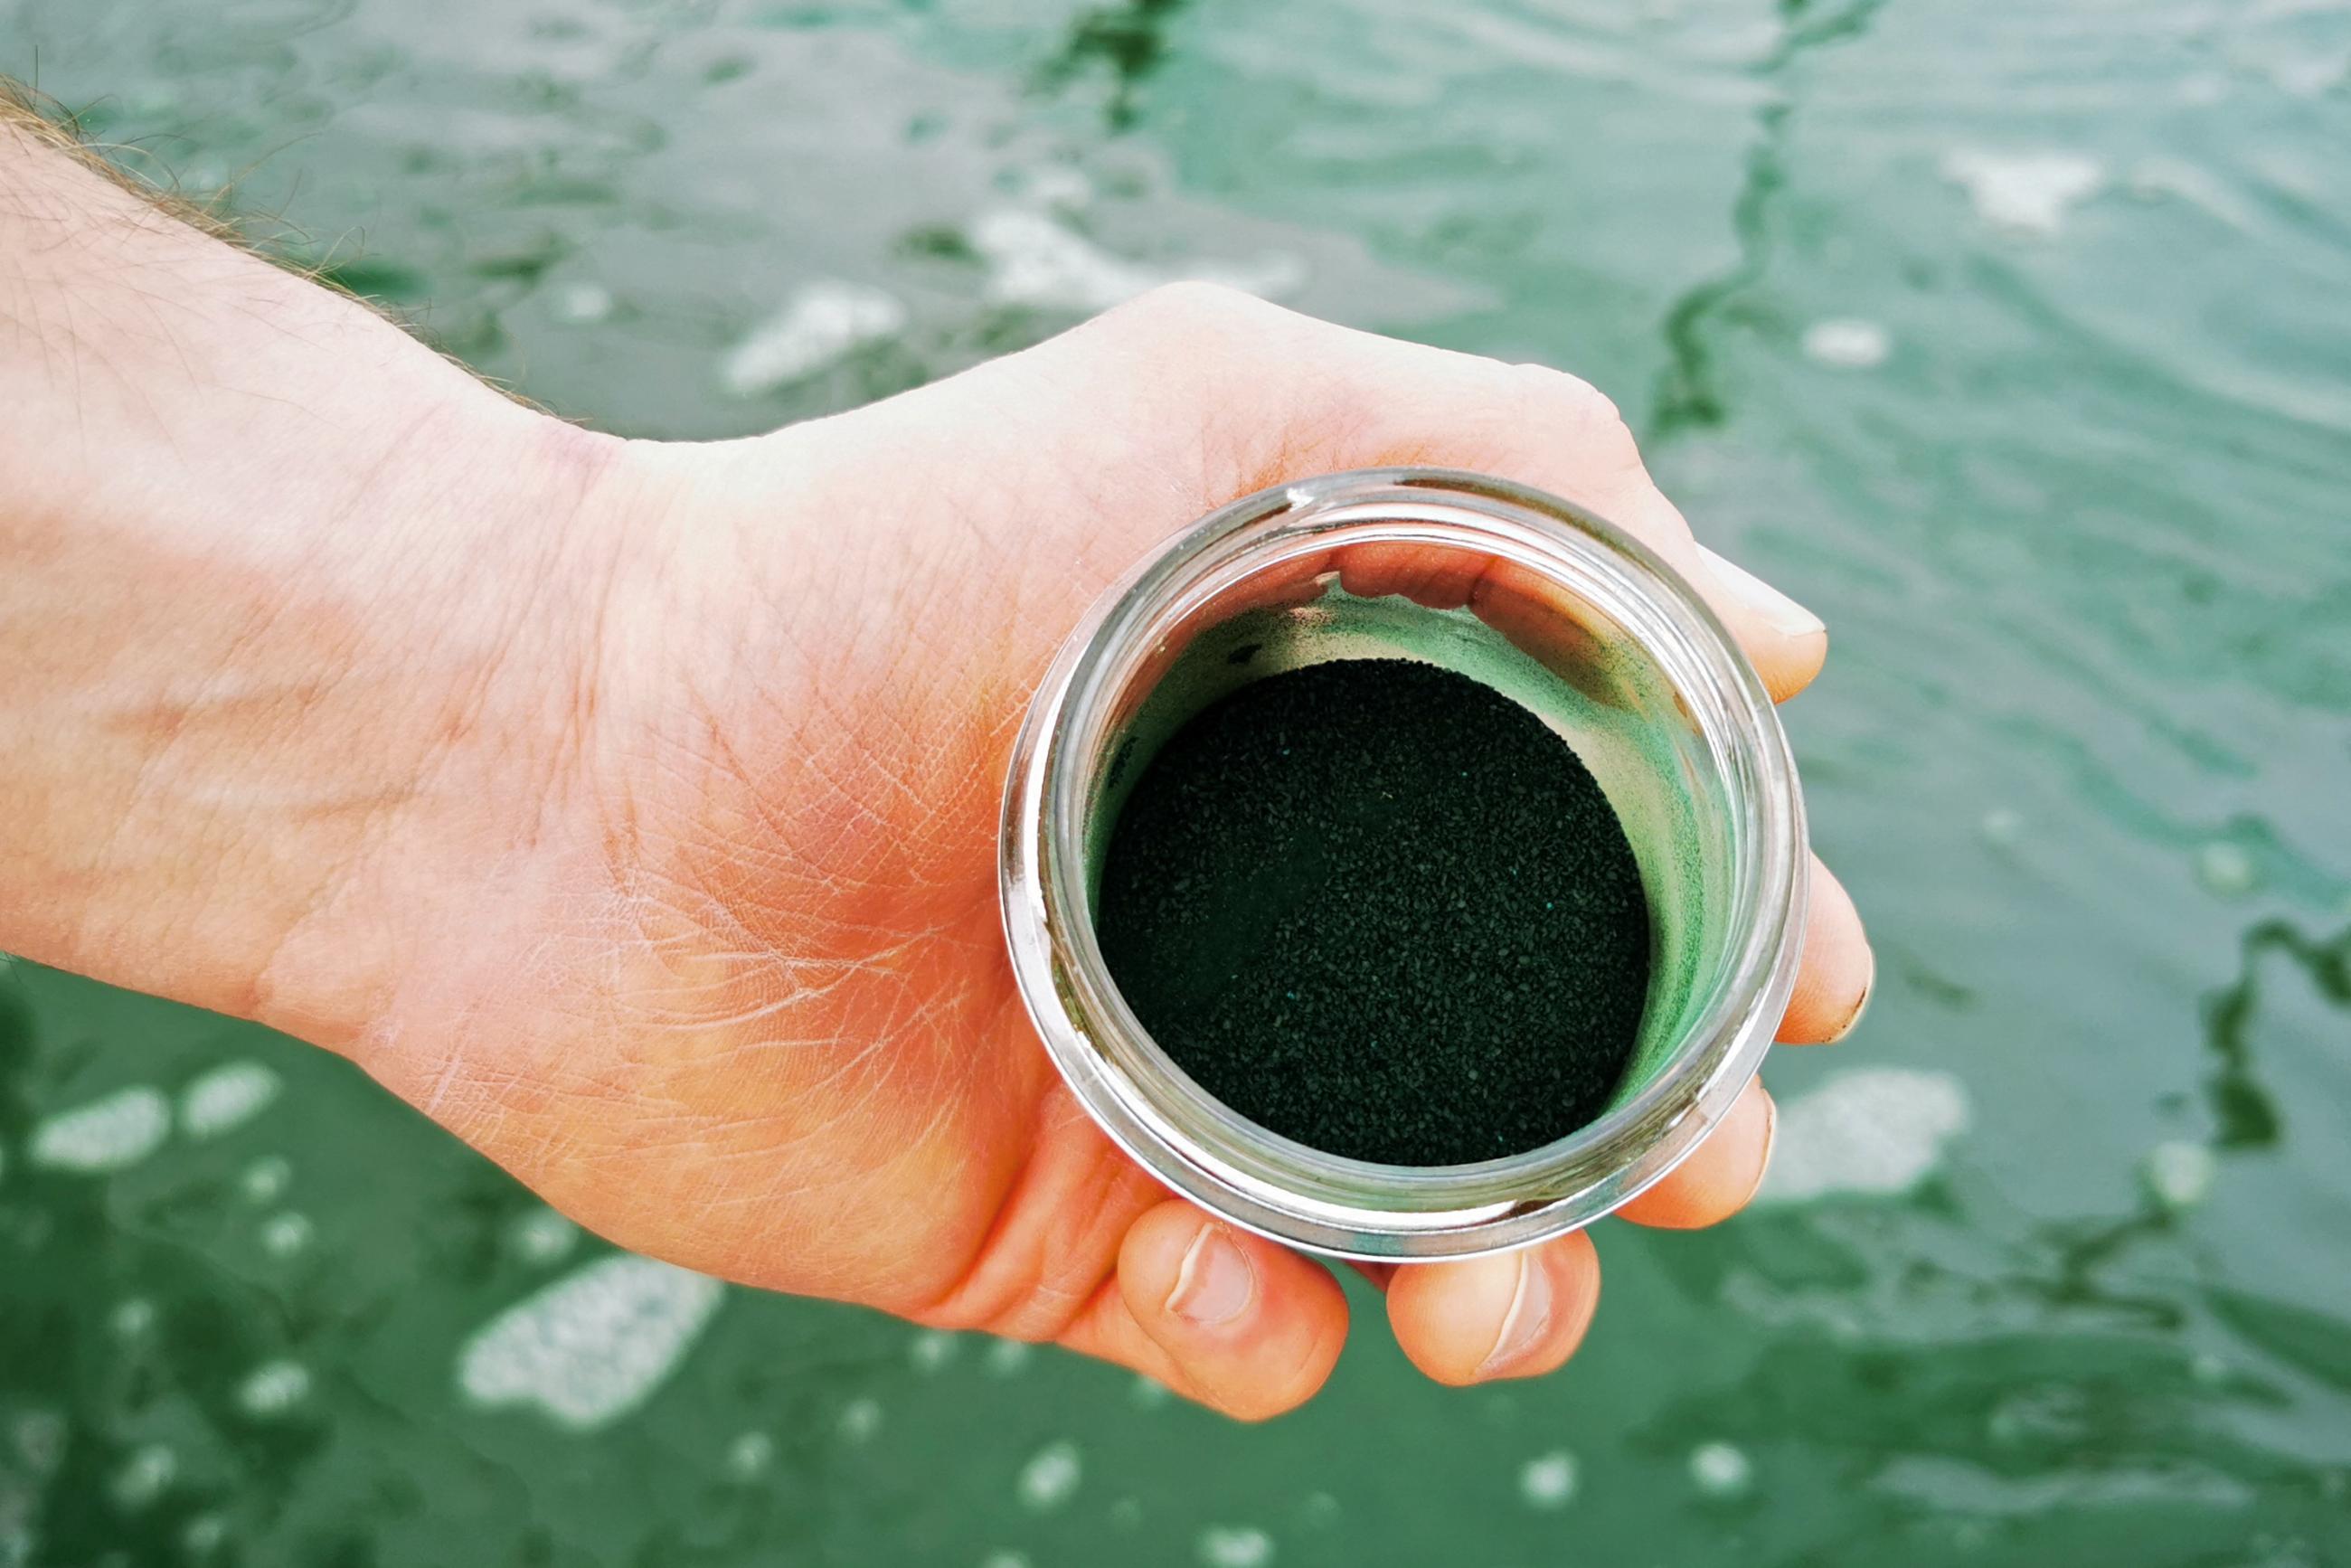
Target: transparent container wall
pixel 1558 655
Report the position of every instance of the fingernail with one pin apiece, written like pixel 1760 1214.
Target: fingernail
pixel 1771 1137
pixel 1528 1318
pixel 1868 990
pixel 1215 1283
pixel 1785 616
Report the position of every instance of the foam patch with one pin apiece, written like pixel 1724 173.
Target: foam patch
pixel 1867 1130
pixel 106 1135
pixel 1847 344
pixel 2025 193
pixel 226 1098
pixel 1548 1480
pixel 1235 1546
pixel 1720 1470
pixel 274 1388
pixel 820 325
pixel 592 1346
pixel 1050 1480
pixel 1033 260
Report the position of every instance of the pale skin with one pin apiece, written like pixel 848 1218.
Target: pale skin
pixel 630 808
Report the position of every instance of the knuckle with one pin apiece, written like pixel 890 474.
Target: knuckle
pixel 1556 398
pixel 1595 405
pixel 1210 327
pixel 1190 300
pixel 1220 376
pixel 1571 394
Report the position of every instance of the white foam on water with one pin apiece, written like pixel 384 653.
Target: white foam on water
pixel 860 1420
pixel 1007 1356
pixel 2024 193
pixel 145 1476
pixel 1847 344
pixel 1059 185
pixel 110 1133
pixel 1548 1481
pixel 1865 1130
pixel 593 1345
pixel 2179 1174
pixel 273 1388
pixel 1719 1469
pixel 266 1178
pixel 932 1349
pixel 580 303
pixel 227 1097
pixel 820 324
pixel 2226 870
pixel 284 1235
pixel 541 1237
pixel 1052 1478
pixel 1034 261
pixel 1235 1546
pixel 748 1457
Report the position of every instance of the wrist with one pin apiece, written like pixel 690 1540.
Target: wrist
pixel 440 765
pixel 253 728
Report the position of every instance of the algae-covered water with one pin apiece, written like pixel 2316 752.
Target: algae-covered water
pixel 2013 337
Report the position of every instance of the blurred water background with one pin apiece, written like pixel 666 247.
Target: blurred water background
pixel 2013 337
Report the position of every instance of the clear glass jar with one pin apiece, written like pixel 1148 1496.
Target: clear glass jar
pixel 1554 607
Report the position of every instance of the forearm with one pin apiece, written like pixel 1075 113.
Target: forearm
pixel 258 620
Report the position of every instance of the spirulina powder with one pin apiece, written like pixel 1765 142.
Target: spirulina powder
pixel 1380 908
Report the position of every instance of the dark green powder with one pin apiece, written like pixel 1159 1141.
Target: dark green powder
pixel 1382 909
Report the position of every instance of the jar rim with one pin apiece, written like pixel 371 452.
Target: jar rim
pixel 1265 1182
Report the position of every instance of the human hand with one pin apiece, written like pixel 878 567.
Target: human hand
pixel 631 808
pixel 739 998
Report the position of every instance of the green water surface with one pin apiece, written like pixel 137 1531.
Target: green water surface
pixel 2013 337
